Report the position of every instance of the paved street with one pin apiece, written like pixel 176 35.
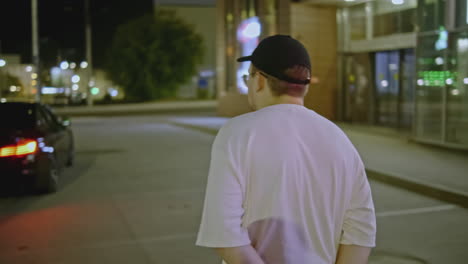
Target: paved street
pixel 135 196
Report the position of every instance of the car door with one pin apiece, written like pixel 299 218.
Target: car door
pixel 64 136
pixel 55 136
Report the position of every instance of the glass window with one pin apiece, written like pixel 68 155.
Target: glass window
pixel 49 121
pixel 431 14
pixel 357 20
pixel 385 24
pixel 430 87
pixel 457 90
pixel 462 13
pixel 392 19
pixel 408 20
pixel 51 116
pixel 43 121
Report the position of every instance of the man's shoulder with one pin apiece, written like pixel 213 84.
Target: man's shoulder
pixel 238 126
pixel 242 121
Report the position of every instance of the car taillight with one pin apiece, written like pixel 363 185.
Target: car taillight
pixel 22 148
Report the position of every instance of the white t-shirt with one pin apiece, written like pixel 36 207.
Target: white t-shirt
pixel 290 183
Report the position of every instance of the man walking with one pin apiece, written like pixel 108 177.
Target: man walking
pixel 285 185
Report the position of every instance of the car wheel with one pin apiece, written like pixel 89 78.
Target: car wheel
pixel 53 181
pixel 50 182
pixel 71 154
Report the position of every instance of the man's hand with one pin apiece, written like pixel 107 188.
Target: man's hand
pixel 240 255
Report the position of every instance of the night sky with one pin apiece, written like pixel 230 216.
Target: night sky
pixel 62 31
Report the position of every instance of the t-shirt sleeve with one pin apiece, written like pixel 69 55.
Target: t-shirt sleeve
pixel 221 224
pixel 359 227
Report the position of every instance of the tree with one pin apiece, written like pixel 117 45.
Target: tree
pixel 152 55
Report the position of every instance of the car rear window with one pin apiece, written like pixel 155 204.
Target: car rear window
pixel 17 116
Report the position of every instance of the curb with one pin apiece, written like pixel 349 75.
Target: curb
pixel 427 189
pixel 138 109
pixel 208 130
pixel 133 112
pixel 431 190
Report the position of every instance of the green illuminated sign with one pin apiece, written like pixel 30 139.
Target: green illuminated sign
pixel 437 78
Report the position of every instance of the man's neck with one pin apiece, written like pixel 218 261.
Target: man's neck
pixel 286 99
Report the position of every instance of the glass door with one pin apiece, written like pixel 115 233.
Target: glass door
pixel 387 87
pixel 432 78
pixel 358 83
pixel 408 81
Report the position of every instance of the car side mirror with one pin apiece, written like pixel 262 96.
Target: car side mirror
pixel 65 121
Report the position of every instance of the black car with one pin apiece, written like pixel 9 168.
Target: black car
pixel 35 145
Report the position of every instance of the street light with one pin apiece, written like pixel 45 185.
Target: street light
pixel 75 78
pixel 84 65
pixel 64 65
pixel 2 62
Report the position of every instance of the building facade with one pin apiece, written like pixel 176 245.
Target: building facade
pixel 402 66
pixel 376 49
pixel 441 113
pixel 391 63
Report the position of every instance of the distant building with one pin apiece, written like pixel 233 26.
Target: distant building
pixel 24 73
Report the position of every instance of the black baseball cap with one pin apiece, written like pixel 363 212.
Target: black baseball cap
pixel 275 54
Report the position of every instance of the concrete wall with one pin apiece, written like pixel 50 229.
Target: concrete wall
pixel 315 27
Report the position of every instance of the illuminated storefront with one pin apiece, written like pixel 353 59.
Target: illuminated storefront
pixel 376 50
pixel 241 24
pixel 404 64
pixel 398 64
pixel 441 113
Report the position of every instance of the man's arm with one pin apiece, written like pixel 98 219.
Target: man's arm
pixel 359 226
pixel 239 255
pixel 352 254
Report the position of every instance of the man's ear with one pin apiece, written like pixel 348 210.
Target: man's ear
pixel 261 81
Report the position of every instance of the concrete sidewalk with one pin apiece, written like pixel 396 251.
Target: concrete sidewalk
pixel 391 158
pixel 136 109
